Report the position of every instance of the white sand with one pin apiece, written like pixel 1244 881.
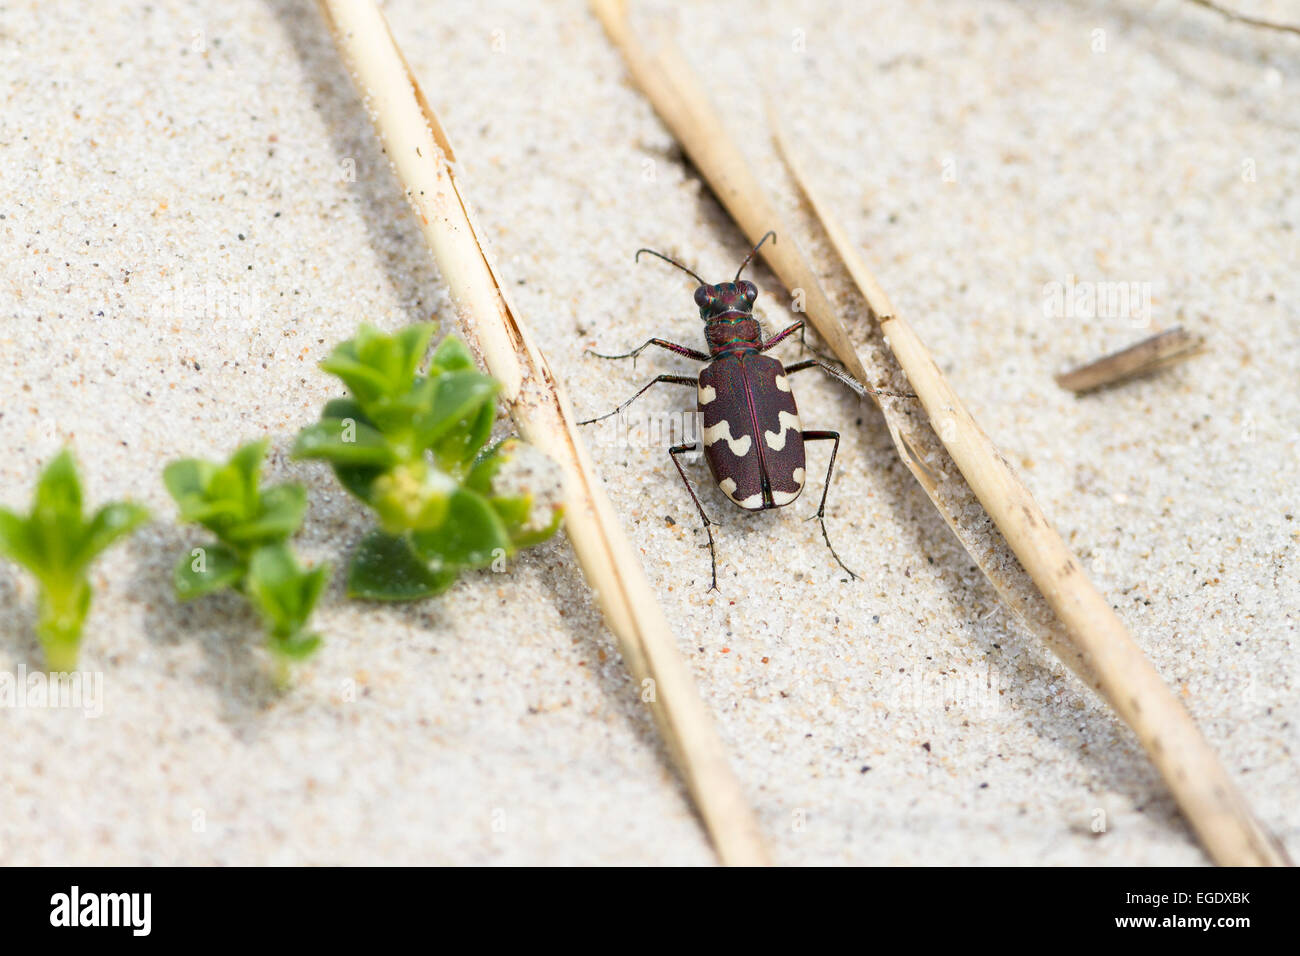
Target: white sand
pixel 181 248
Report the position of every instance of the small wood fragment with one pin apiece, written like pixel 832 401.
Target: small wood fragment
pixel 1159 351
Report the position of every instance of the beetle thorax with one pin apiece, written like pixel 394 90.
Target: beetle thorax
pixel 733 333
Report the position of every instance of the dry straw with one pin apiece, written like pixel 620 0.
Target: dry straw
pixel 1142 358
pixel 1237 17
pixel 956 463
pixel 422 160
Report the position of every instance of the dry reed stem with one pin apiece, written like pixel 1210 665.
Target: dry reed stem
pixel 421 158
pixel 1229 14
pixel 686 111
pixel 1087 635
pixel 1099 643
pixel 1151 354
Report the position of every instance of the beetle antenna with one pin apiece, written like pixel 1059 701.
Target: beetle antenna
pixel 769 234
pixel 660 255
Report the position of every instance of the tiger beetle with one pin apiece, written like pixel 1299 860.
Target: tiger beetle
pixel 753 439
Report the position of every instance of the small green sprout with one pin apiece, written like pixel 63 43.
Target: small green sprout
pixel 57 545
pixel 411 447
pixel 252 554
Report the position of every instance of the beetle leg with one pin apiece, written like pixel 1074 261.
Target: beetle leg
pixel 844 377
pixel 802 326
pixel 784 333
pixel 670 379
pixel 713 558
pixel 830 370
pixel 682 350
pixel 821 509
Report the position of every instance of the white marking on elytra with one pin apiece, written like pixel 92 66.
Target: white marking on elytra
pixel 776 440
pixel 785 497
pixel 739 446
pixel 783 383
pixel 707 394
pixel 752 503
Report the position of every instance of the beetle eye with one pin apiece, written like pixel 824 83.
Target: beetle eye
pixel 703 296
pixel 750 290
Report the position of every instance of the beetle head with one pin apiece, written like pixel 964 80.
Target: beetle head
pixel 716 300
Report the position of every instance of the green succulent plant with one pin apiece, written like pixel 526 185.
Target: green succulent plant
pixel 252 554
pixel 57 545
pixel 411 445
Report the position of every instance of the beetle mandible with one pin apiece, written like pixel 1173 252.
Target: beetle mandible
pixel 753 437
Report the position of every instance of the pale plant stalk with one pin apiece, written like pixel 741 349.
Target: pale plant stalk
pixel 1142 358
pixel 422 159
pixel 1070 614
pixel 1238 17
pixel 1098 640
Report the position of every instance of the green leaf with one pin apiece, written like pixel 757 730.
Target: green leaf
pixel 17 542
pixel 460 445
pixel 216 515
pixel 58 493
pixel 271 585
pixel 384 568
pixel 187 482
pixel 311 585
pixel 364 381
pixel 457 397
pixel 471 536
pixel 344 441
pixel 112 521
pixel 212 568
pixel 374 365
pixel 357 479
pixel 487 464
pixel 218 497
pixel 228 499
pixel 56 524
pixel 451 354
pixel 238 480
pixel 409 347
pixel 526 539
pixel 513 512
pixel 283 593
pixel 345 408
pixel 279 515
